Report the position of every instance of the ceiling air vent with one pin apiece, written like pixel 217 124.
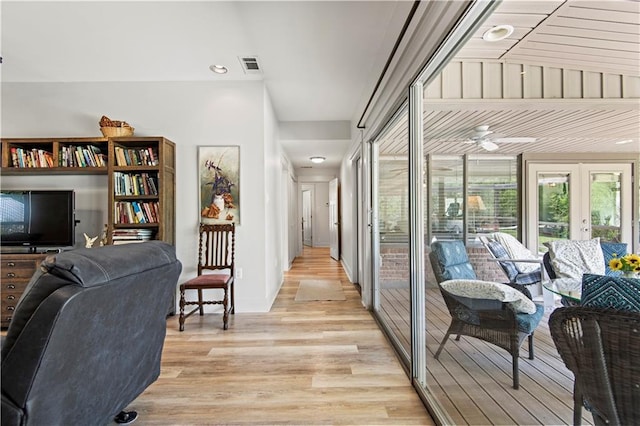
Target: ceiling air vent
pixel 250 64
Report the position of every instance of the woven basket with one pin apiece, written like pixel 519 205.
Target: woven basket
pixel 113 132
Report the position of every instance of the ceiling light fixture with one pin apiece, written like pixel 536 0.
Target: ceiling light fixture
pixel 497 33
pixel 218 69
pixel 624 141
pixel 317 160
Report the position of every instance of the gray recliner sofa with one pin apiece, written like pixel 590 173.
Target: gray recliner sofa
pixel 87 335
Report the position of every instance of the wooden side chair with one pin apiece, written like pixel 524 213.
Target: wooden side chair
pixel 216 253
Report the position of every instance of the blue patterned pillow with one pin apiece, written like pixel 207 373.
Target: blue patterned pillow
pixel 611 250
pixel 453 260
pixel 601 291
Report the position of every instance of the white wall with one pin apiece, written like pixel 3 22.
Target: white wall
pixel 190 114
pixel 348 221
pixel 275 205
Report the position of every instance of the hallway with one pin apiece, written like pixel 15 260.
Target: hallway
pixel 321 362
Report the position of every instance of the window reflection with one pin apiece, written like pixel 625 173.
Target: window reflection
pixel 447 202
pixel 487 202
pixel 492 195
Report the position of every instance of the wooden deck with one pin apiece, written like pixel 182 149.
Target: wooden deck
pixel 472 379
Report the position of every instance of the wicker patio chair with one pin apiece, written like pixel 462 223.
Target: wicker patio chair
pixel 490 320
pixel 509 264
pixel 602 349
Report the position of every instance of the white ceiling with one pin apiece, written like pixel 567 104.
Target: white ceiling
pixel 316 57
pixel 319 59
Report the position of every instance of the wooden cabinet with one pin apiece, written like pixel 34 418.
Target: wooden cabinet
pixel 17 270
pixel 140 172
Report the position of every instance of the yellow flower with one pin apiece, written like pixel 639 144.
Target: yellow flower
pixel 626 263
pixel 632 259
pixel 615 264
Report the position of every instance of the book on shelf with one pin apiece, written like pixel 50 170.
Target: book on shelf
pixel 81 156
pixel 136 212
pixel 134 184
pixel 125 236
pixel 33 158
pixel 136 157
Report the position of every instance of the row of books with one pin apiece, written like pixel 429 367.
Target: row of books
pixel 69 156
pixel 126 236
pixel 137 212
pixel 81 156
pixel 136 157
pixel 134 184
pixel 31 158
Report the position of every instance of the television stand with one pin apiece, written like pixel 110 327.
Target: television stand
pixel 17 270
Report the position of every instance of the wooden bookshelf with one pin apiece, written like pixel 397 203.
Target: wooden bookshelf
pixel 140 173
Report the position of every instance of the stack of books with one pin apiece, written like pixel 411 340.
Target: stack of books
pixel 126 236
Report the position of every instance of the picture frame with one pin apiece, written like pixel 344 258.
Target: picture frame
pixel 219 184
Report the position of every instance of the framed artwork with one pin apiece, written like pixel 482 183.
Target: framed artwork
pixel 219 184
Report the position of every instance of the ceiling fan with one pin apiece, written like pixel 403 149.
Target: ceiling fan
pixel 485 139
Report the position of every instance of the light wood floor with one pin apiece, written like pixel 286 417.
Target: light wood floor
pixel 301 363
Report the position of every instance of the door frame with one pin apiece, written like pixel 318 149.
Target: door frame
pixel 578 203
pixel 334 219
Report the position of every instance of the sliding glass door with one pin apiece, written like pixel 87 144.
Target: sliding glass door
pixel 391 233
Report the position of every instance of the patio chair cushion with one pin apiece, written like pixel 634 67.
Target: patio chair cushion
pixel 573 258
pixel 500 252
pixel 609 251
pixel 619 293
pixel 453 260
pixel 527 323
pixel 477 289
pixel 517 250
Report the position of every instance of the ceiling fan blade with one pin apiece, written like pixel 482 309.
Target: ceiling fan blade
pixel 514 140
pixel 487 145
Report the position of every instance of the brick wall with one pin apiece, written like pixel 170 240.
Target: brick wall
pixel 394 265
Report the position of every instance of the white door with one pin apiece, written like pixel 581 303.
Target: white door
pixel 334 220
pixel 307 237
pixel 579 202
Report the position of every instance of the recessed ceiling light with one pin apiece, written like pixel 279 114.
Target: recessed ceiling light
pixel 317 160
pixel 497 33
pixel 624 141
pixel 218 69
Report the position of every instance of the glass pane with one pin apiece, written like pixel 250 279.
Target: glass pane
pixel 393 201
pixel 393 310
pixel 553 208
pixel 605 206
pixel 447 202
pixel 492 195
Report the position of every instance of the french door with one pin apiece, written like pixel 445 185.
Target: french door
pixel 578 202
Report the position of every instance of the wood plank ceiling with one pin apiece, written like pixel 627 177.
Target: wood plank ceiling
pixel 580 36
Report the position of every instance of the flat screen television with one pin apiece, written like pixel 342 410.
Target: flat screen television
pixel 37 218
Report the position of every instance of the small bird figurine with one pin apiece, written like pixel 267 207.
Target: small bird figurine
pixel 89 240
